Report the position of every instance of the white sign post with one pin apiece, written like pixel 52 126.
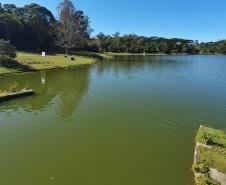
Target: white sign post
pixel 43 55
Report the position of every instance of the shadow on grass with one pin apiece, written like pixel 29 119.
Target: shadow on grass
pixel 87 54
pixel 13 64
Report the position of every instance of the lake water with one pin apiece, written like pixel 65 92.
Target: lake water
pixel 130 121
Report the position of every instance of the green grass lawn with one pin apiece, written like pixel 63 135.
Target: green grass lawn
pixel 34 61
pixel 211 137
pixel 214 157
pixel 51 61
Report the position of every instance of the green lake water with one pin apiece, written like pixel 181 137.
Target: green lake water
pixel 130 121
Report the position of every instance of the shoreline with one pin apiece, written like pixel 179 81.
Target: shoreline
pixel 35 62
pixel 50 69
pixel 92 58
pixel 209 157
pixel 162 54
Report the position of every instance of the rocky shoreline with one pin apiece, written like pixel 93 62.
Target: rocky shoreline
pixel 210 157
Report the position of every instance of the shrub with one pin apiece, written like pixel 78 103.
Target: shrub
pixel 206 180
pixel 7 51
pixel 211 137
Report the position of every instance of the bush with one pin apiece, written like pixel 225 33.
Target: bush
pixel 206 180
pixel 7 51
pixel 211 137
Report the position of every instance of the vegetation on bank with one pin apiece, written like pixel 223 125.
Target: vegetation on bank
pixel 31 61
pixel 12 62
pixel 51 61
pixel 34 27
pixel 211 145
pixel 218 47
pixel 7 51
pixel 131 43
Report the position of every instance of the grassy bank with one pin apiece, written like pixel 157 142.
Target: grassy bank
pixel 211 149
pixel 35 61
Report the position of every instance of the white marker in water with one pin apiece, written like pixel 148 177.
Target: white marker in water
pixel 51 178
pixel 43 81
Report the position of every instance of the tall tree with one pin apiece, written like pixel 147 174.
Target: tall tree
pixel 72 29
pixel 67 27
pixel 7 51
pixel 1 8
pixel 84 29
pixel 10 8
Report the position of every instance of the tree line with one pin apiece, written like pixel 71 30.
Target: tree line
pixel 34 27
pixel 218 47
pixel 138 44
pixel 29 27
pixel 131 43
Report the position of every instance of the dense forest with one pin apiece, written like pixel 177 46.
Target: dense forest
pixel 29 27
pixel 33 27
pixel 138 44
pixel 218 47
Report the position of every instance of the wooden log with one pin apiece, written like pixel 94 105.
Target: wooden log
pixel 13 95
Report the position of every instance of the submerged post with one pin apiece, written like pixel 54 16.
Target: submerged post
pixel 43 80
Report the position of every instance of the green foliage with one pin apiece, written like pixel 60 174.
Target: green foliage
pixel 29 27
pixel 210 157
pixel 73 28
pixel 213 47
pixel 211 137
pixel 139 44
pixel 33 27
pixel 1 8
pixel 7 51
pixel 200 167
pixel 206 180
pixel 216 156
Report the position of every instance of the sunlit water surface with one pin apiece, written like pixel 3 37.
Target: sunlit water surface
pixel 130 121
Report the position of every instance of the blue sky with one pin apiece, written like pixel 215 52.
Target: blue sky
pixel 203 20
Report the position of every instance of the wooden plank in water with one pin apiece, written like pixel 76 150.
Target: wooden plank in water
pixel 18 94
